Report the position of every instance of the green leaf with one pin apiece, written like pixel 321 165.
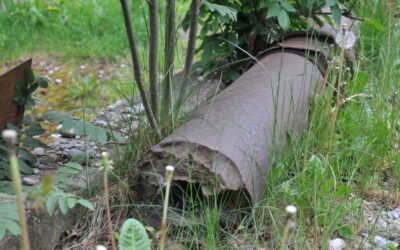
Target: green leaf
pixel 331 3
pixel 34 129
pixel 24 168
pixel 43 82
pixel 288 6
pixel 81 128
pixel 118 137
pixel 73 167
pixel 336 14
pixel 13 227
pixel 221 9
pixel 27 157
pixel 284 20
pixel 9 219
pixel 51 203
pixel 29 75
pixel 274 10
pixel 32 143
pixel 71 202
pixel 87 204
pixel 133 236
pixel 63 204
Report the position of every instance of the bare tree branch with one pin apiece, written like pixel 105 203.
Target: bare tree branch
pixel 194 20
pixel 170 35
pixel 137 68
pixel 153 56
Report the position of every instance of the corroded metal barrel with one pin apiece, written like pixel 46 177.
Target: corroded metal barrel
pixel 229 144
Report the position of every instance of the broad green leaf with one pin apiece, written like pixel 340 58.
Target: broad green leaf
pixel 13 227
pixel 8 211
pixel 27 157
pixel 63 204
pixel 24 168
pixel 288 6
pixel 34 129
pixel 331 3
pixel 51 203
pixel 221 9
pixel 274 10
pixel 71 202
pixel 85 203
pixel 284 20
pixel 336 14
pixel 118 137
pixel 2 231
pixel 133 236
pixel 32 143
pixel 29 75
pixel 9 219
pixel 43 82
pixel 73 165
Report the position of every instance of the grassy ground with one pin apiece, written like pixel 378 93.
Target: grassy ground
pixel 326 173
pixel 72 29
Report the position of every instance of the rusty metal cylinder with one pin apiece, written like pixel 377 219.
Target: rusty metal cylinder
pixel 232 140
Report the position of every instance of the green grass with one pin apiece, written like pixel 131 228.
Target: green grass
pixel 68 28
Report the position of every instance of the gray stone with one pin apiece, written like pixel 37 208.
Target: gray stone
pixel 31 180
pixel 337 244
pixel 38 151
pixel 394 215
pixel 58 81
pixel 36 171
pixel 71 152
pixel 101 123
pixel 380 241
pixel 381 225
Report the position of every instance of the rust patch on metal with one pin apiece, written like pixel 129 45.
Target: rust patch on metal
pixel 9 111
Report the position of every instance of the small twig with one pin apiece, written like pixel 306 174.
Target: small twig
pixel 168 178
pixel 10 137
pixel 194 20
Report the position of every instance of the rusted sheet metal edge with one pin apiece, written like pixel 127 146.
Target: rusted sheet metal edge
pixel 9 111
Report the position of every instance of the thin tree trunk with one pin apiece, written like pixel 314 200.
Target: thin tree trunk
pixel 137 68
pixel 170 34
pixel 153 56
pixel 194 20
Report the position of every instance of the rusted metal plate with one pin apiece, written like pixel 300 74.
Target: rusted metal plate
pixel 9 111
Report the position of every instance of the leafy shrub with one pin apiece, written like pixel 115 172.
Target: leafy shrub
pixel 228 25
